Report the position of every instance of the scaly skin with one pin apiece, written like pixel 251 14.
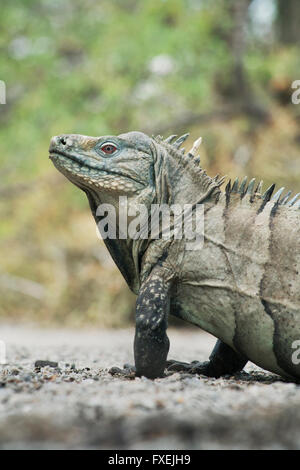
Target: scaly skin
pixel 242 286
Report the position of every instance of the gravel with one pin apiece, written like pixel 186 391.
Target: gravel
pixel 70 401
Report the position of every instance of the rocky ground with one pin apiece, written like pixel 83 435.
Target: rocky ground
pixel 78 404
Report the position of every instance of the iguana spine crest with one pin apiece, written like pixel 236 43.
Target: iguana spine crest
pixel 192 161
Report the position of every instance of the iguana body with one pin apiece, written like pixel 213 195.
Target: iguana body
pixel 242 286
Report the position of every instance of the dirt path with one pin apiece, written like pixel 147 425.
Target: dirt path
pixel 80 405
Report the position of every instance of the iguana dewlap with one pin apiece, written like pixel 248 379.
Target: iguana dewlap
pixel 242 286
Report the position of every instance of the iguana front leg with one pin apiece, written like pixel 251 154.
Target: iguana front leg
pixel 223 360
pixel 151 343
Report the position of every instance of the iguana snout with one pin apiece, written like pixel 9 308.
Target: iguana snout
pixel 68 144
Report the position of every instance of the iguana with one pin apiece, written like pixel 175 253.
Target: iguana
pixel 242 286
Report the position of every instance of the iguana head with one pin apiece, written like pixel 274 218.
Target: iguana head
pixel 108 165
pixel 131 164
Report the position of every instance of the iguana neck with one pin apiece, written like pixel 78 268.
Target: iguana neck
pixel 180 180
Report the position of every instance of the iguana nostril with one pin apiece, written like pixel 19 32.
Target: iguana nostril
pixel 62 140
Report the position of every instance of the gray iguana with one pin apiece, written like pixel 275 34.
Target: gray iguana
pixel 242 286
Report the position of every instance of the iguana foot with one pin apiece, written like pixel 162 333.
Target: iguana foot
pixel 195 367
pixel 222 361
pixel 127 372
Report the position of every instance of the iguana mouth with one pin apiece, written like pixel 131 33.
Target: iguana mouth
pixel 75 158
pixel 88 162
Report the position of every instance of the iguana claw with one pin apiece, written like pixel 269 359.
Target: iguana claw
pixel 127 372
pixel 195 367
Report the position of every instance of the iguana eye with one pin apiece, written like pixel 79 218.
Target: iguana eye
pixel 108 148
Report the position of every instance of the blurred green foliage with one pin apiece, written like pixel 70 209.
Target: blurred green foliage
pixel 101 67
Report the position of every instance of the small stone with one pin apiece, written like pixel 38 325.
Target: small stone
pixel 39 364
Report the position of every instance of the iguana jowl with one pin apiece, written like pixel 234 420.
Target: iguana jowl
pixel 242 286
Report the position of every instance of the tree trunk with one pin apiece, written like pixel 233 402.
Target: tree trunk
pixel 288 21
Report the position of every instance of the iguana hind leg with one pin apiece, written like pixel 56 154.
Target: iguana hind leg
pixel 222 361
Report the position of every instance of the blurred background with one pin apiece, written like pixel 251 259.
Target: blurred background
pixel 221 69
